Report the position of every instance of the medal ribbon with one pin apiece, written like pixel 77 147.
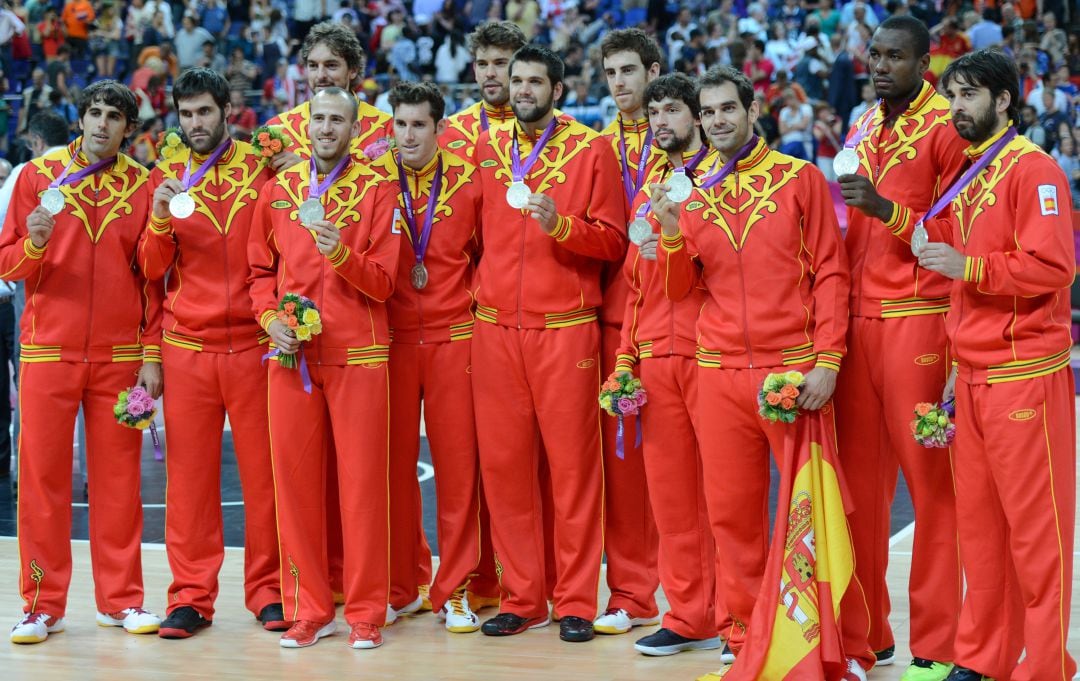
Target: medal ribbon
pixel 691 165
pixel 716 178
pixel 518 168
pixel 189 180
pixel 318 188
pixel 863 130
pixel 632 185
pixel 969 175
pixel 66 179
pixel 420 240
pixel 484 125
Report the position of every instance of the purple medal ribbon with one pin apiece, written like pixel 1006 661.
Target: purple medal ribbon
pixel 716 178
pixel 690 165
pixel 969 175
pixel 189 180
pixel 620 449
pixel 318 188
pixel 158 455
pixel 518 168
pixel 305 375
pixel 632 185
pixel 863 130
pixel 484 125
pixel 66 179
pixel 420 240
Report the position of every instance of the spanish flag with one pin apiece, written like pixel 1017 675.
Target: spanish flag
pixel 794 632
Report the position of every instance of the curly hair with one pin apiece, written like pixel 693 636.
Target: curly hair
pixel 341 42
pixel 112 93
pixel 502 34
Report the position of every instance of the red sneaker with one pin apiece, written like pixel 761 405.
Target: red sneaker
pixel 365 635
pixel 304 633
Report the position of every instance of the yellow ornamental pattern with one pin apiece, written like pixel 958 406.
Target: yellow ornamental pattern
pixel 563 146
pixel 233 189
pixel 749 195
pixel 980 194
pixel 117 187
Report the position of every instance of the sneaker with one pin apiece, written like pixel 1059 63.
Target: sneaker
pixel 364 636
pixel 509 624
pixel 618 621
pixel 133 620
pixel 726 655
pixel 922 669
pixel 459 617
pixel 183 622
pixel 273 618
pixel 885 657
pixel 855 672
pixel 667 642
pixel 479 602
pixel 576 629
pixel 959 673
pixel 304 633
pixel 393 614
pixel 35 627
pixel 425 597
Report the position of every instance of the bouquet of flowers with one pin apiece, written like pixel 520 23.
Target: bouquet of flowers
pixel 776 401
pixel 299 314
pixel 169 143
pixel 378 148
pixel 622 394
pixel 933 426
pixel 268 140
pixel 134 408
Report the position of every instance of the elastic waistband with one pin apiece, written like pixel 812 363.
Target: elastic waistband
pixel 535 320
pixel 1018 370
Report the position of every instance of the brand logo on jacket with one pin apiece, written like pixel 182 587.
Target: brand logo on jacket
pixel 1022 415
pixel 927 360
pixel 586 363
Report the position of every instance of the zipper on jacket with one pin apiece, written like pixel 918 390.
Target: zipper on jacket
pixel 521 275
pixel 93 271
pixel 225 252
pixel 742 281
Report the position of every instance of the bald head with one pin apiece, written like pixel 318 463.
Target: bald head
pixel 335 96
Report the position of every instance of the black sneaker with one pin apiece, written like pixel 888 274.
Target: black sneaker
pixel 726 655
pixel 964 674
pixel 885 657
pixel 667 642
pixel 576 629
pixel 273 618
pixel 508 624
pixel 184 622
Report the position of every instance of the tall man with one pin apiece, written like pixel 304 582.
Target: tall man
pixel 346 263
pixel 552 212
pixel 658 342
pixel 203 208
pixel 431 317
pixel 631 59
pixel 91 320
pixel 897 355
pixel 767 224
pixel 1008 248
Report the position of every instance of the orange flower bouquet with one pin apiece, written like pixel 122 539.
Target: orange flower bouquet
pixel 933 426
pixel 776 401
pixel 269 140
pixel 300 315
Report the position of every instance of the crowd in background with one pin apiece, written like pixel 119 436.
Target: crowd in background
pixel 807 58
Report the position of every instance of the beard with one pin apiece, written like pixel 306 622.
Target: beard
pixel 528 113
pixel 977 128
pixel 677 144
pixel 213 139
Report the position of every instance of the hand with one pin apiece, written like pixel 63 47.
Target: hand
pixel 39 224
pixel 283 159
pixel 943 259
pixel 327 236
pixel 818 386
pixel 859 192
pixel 150 378
pixel 648 247
pixel 163 194
pixel 542 209
pixel 283 337
pixel 665 210
pixel 950 387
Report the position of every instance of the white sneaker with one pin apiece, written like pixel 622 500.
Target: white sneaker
pixel 133 620
pixel 410 609
pixel 855 671
pixel 35 627
pixel 618 621
pixel 460 619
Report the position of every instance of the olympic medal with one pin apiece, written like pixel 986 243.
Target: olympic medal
pixel 419 276
pixel 639 231
pixel 182 205
pixel 53 200
pixel 679 187
pixel 518 195
pixel 919 239
pixel 846 162
pixel 311 211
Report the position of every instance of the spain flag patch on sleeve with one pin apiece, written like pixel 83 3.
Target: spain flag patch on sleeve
pixel 1048 201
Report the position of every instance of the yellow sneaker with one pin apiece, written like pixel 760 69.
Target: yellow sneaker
pixel 479 602
pixel 425 597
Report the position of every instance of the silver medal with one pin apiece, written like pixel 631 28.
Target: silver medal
pixel 919 239
pixel 53 200
pixel 518 195
pixel 182 205
pixel 639 231
pixel 311 211
pixel 679 187
pixel 846 162
pixel 419 276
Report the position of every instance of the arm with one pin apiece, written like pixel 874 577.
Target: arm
pixel 371 267
pixel 19 255
pixel 626 356
pixel 263 256
pixel 673 256
pixel 601 232
pixel 157 247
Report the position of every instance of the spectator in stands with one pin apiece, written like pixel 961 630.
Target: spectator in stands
pixel 810 73
pixel 35 98
pixel 279 91
pixel 987 32
pixel 780 49
pixel 827 18
pixel 757 66
pixel 62 107
pixel 77 17
pixel 52 33
pixel 452 59
pixel 58 71
pixel 215 19
pixel 843 90
pixel 242 119
pixel 211 58
pixel 1054 41
pixel 307 13
pixel 189 42
pixel 1029 126
pixel 144 147
pixel 106 41
pixel 827 134
pixel 240 72
pixel 1052 117
pixel 791 15
pixel 1065 155
pixel 1038 102
pixel 869 99
pixel 795 120
pixel 524 13
pixel 765 126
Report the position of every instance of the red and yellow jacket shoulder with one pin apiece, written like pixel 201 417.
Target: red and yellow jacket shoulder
pixel 86 300
pixel 531 279
pixel 442 310
pixel 913 162
pixel 208 307
pixel 465 126
pixel 1010 316
pixel 769 248
pixel 374 125
pixel 351 285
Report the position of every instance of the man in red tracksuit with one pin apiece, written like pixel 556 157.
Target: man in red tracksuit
pixel 431 319
pixel 346 263
pixel 212 359
pixel 631 59
pixel 91 329
pixel 658 341
pixel 768 246
pixel 897 357
pixel 1006 242
pixel 535 361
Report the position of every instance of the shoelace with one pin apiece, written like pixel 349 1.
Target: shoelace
pixel 615 611
pixel 456 605
pixel 34 618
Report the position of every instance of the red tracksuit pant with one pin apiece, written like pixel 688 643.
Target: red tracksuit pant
pixel 891 365
pixel 529 381
pixel 1015 467
pixel 348 405
pixel 200 387
pixel 630 539
pixel 673 470
pixel 437 374
pixel 49 397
